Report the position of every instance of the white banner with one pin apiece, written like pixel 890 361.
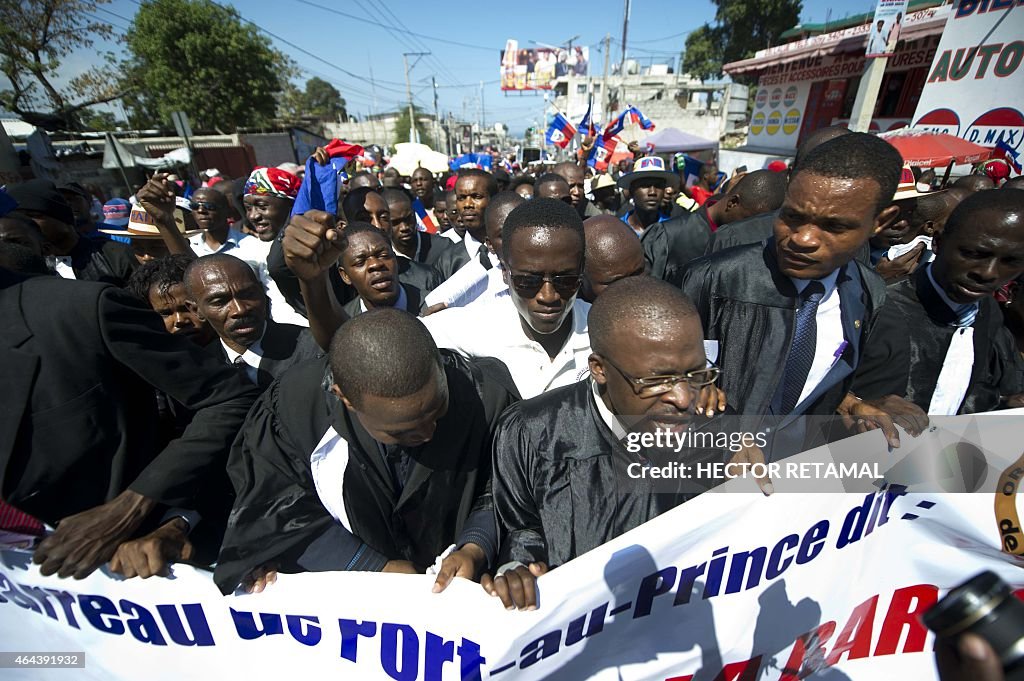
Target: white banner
pixel 728 586
pixel 975 86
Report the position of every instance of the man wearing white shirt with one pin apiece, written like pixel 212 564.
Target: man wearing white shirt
pixel 540 330
pixel 791 315
pixel 473 191
pixel 942 347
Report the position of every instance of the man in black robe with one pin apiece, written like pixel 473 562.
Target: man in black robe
pixel 412 244
pixel 225 292
pixel 669 246
pixel 565 462
pixel 364 464
pixel 790 316
pixel 369 265
pixel 78 364
pixel 941 344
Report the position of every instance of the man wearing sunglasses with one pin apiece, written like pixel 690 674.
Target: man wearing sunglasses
pixel 562 461
pixel 540 330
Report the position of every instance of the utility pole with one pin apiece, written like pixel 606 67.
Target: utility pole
pixel 437 120
pixel 413 135
pixel 605 99
pixel 867 94
pixel 482 115
pixel 625 28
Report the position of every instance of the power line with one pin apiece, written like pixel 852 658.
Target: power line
pixel 376 23
pixel 658 40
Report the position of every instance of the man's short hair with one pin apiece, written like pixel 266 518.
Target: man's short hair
pixel 492 182
pixel 383 352
pixel 546 214
pixel 975 183
pixel 995 203
pixel 856 156
pixel 502 202
pixel 355 200
pixel 361 174
pixel 209 261
pixel 1014 183
pixel 522 178
pixel 761 191
pixel 819 137
pixel 162 273
pixel 354 228
pixel 548 178
pixel 396 195
pixel 644 304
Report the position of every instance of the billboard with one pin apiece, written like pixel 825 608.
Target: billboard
pixel 536 69
pixel 975 86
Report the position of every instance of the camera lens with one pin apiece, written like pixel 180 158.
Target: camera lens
pixel 984 605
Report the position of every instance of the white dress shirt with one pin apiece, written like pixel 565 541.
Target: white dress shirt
pixel 610 419
pixel 62 266
pixel 252 357
pixel 830 339
pixel 472 245
pixel 494 329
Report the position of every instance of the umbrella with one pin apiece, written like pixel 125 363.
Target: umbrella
pixel 671 140
pixel 925 149
pixel 409 156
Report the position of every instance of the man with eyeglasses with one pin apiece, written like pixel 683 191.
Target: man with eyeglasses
pixel 561 462
pixel 540 330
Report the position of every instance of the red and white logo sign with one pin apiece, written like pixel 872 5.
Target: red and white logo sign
pixel 940 120
pixel 762 98
pixel 776 98
pixel 998 125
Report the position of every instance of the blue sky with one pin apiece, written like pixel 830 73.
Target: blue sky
pixel 657 31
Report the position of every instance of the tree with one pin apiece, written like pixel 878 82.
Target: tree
pixel 323 101
pixel 201 58
pixel 703 54
pixel 100 121
pixel 402 126
pixel 741 28
pixel 35 36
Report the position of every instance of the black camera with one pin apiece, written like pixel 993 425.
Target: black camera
pixel 984 605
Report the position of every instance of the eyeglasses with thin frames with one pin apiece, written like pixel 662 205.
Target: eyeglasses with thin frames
pixel 652 386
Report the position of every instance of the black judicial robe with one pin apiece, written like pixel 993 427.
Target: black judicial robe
pixel 561 486
pixel 442 254
pixel 914 332
pixel 670 245
pixel 278 513
pixel 748 306
pixel 752 230
pixel 79 362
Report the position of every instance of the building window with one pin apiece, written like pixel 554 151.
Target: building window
pixel 581 88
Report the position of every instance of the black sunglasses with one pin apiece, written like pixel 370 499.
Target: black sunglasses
pixel 530 284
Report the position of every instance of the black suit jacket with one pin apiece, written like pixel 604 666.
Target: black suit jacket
pixel 78 364
pixel 284 345
pixel 103 260
pixel 442 254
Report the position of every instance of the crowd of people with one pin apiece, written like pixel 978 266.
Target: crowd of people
pixel 444 370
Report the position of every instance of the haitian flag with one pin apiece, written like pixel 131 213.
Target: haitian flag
pixel 424 222
pixel 639 118
pixel 634 116
pixel 319 189
pixel 472 161
pixel 560 132
pixel 1012 157
pixel 587 126
pixel 602 152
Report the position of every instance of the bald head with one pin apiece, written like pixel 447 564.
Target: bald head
pixel 975 183
pixel 819 137
pixel 613 252
pixel 642 307
pixel 500 205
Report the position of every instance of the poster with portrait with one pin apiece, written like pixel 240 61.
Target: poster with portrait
pixel 537 69
pixel 885 28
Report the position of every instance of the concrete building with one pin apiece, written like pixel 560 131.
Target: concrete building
pixel 671 100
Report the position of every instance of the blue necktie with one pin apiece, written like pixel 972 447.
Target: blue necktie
pixel 801 352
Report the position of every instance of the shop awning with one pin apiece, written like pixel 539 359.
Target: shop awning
pixel 917 25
